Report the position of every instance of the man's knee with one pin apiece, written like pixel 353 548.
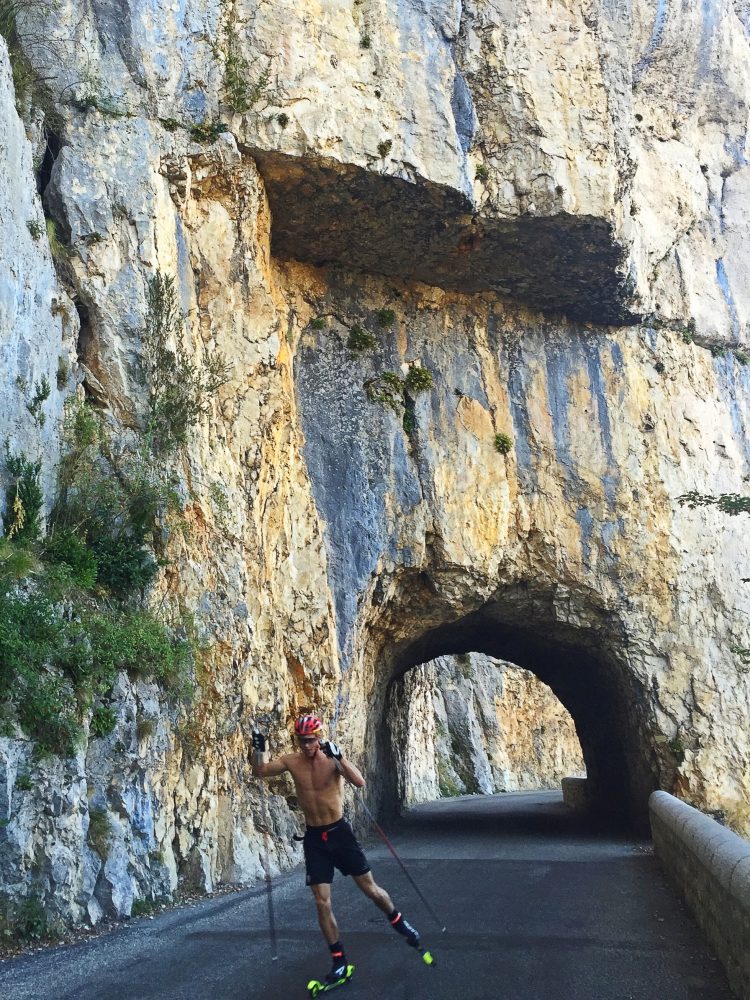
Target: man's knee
pixel 370 888
pixel 322 899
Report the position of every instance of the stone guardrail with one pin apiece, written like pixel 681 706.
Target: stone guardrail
pixel 711 867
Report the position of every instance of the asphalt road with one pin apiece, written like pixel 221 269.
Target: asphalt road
pixel 536 906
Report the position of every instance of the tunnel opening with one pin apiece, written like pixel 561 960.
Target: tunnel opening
pixel 572 646
pixel 470 724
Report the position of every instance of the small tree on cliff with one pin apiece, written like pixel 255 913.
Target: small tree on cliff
pixel 179 389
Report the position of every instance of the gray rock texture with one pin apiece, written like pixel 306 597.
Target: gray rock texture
pixel 302 172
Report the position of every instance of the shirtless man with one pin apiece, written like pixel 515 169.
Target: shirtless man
pixel 329 842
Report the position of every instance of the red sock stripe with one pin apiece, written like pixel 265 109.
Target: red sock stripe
pixel 395 920
pixel 337 954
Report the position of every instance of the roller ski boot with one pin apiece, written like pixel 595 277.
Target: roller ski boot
pixel 338 976
pixel 411 936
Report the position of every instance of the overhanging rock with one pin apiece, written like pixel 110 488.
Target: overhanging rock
pixel 330 213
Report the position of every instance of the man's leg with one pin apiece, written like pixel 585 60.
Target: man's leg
pixel 372 890
pixel 322 894
pixel 326 919
pixel 383 901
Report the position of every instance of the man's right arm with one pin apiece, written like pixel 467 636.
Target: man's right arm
pixel 262 768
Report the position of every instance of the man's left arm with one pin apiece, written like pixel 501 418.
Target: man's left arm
pixel 346 768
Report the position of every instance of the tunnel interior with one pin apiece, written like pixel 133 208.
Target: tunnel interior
pixel 470 724
pixel 581 664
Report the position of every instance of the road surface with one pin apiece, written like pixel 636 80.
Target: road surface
pixel 537 907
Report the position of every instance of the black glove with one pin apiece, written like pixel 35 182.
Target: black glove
pixel 332 750
pixel 259 741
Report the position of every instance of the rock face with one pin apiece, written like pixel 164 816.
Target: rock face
pixel 471 724
pixel 332 184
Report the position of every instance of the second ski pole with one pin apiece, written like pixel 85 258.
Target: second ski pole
pixel 267 865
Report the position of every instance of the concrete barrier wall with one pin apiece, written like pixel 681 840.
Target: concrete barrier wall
pixel 711 867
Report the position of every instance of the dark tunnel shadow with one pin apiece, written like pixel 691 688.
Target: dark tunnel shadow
pixel 504 817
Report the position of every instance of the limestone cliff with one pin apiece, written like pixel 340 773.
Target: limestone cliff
pixel 545 208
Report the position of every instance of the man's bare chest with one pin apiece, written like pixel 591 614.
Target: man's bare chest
pixel 314 778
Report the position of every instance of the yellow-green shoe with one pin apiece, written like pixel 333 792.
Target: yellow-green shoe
pixel 315 987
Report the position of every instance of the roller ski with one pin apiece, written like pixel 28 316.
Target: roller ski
pixel 336 977
pixel 411 936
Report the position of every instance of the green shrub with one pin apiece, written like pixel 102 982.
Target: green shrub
pixel 207 131
pixel 503 443
pixel 24 501
pixel 103 721
pixel 481 173
pixel 25 922
pixel 282 119
pixel 142 644
pixel 100 831
pixel 125 567
pixel 178 389
pixel 418 379
pixel 24 782
pixel 31 89
pixel 62 373
pixel 385 317
pixel 16 562
pixel 386 388
pixel 359 339
pixel 384 148
pixel 242 87
pixel 111 503
pixel 318 323
pixel 60 253
pixel 35 228
pixel 47 711
pixel 65 548
pixel 143 907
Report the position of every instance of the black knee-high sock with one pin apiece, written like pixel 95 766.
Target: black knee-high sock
pixel 337 954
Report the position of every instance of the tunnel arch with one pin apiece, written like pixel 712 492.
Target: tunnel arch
pixel 575 647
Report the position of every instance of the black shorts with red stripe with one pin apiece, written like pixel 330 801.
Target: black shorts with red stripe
pixel 332 846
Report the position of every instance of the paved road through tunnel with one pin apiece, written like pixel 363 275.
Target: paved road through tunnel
pixel 537 905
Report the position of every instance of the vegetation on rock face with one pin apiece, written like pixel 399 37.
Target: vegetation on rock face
pixel 503 444
pixel 100 831
pixel 31 89
pixel 398 393
pixel 25 921
pixel 179 390
pixel 206 131
pixel 72 601
pixel 359 339
pixel 386 388
pixel 242 88
pixel 418 379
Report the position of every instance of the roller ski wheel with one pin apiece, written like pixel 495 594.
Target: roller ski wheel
pixel 413 940
pixel 315 987
pixel 427 957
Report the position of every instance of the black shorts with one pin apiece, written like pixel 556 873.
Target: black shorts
pixel 333 845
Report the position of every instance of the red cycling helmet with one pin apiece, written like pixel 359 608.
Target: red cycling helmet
pixel 308 725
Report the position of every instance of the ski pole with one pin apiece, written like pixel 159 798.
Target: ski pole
pixel 267 868
pixel 392 849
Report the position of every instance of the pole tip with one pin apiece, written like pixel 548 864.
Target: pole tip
pixel 274 958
